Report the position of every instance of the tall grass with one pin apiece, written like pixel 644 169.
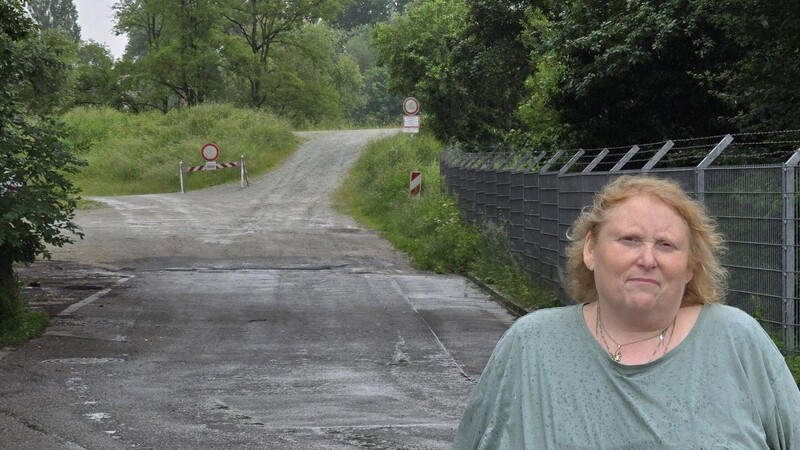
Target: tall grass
pixel 18 324
pixel 140 154
pixel 431 228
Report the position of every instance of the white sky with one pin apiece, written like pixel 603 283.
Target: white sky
pixel 96 21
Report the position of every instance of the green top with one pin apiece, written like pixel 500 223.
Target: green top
pixel 549 384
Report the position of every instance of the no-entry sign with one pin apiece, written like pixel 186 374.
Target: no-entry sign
pixel 411 106
pixel 209 152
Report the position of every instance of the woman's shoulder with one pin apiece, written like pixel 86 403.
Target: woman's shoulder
pixel 736 324
pixel 731 316
pixel 556 318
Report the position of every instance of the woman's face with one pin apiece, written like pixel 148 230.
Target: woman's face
pixel 640 256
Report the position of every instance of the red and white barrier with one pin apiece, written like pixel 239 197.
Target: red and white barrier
pixel 213 165
pixel 415 184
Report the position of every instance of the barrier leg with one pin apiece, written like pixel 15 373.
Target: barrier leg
pixel 180 166
pixel 245 179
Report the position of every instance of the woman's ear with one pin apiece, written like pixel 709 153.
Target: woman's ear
pixel 588 251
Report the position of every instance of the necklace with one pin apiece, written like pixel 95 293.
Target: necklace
pixel 616 355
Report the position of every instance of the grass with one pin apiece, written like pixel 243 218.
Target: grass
pixel 140 154
pixel 18 324
pixel 794 366
pixel 430 229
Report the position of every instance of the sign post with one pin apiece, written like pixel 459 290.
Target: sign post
pixel 411 118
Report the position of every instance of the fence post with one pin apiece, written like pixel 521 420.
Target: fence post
pixel 552 161
pixel 657 157
pixel 596 161
pixel 789 215
pixel 618 166
pixel 536 160
pixel 571 161
pixel 700 170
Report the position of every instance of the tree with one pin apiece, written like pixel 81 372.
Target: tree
pixel 311 83
pixel 257 26
pixel 491 62
pixel 380 107
pixel 180 54
pixel 56 14
pixel 365 12
pixel 758 78
pixel 96 78
pixel 35 158
pixel 627 71
pixel 49 85
pixel 465 62
pixel 417 47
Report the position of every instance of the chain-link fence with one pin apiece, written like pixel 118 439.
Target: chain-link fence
pixel 536 198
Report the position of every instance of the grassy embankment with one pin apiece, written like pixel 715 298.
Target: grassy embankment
pixel 139 154
pixel 431 229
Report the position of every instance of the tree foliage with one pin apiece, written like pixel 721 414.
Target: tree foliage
pixel 759 75
pixel 56 15
pixel 365 12
pixel 258 26
pixel 417 47
pixel 37 201
pixel 463 60
pixel 596 73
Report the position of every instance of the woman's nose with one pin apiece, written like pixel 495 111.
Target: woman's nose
pixel 647 257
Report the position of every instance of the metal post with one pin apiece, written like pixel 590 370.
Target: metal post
pixel 552 161
pixel 788 291
pixel 536 160
pixel 571 161
pixel 596 161
pixel 621 163
pixel 244 178
pixel 521 161
pixel 657 157
pixel 180 168
pixel 700 170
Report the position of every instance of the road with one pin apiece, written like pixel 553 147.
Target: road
pixel 251 317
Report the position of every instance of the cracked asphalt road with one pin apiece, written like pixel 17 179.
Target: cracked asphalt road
pixel 246 318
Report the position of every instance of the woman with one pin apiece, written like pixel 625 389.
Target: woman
pixel 651 359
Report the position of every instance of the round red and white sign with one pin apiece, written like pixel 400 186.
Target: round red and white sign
pixel 209 152
pixel 411 106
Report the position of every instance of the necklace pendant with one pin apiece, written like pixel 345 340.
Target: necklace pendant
pixel 616 356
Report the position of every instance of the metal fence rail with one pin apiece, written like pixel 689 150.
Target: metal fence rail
pixel 535 198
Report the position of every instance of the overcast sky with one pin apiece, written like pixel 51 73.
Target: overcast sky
pixel 95 19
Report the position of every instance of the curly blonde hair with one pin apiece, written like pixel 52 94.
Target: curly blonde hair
pixel 707 284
